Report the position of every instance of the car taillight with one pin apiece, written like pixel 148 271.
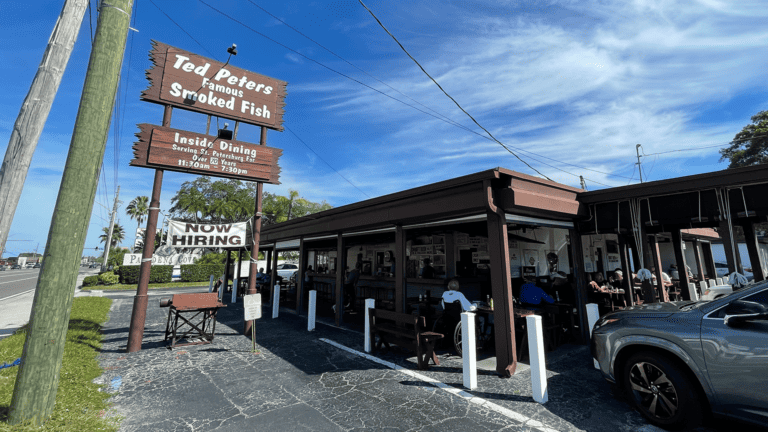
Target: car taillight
pixel 706 292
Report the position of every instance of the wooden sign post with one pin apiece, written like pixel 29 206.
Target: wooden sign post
pixel 188 81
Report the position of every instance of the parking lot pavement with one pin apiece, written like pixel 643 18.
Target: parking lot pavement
pixel 318 381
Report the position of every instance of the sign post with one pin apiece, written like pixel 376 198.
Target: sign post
pixel 252 308
pixel 188 81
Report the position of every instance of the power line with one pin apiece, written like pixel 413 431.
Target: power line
pixel 329 165
pixel 441 116
pixel 452 122
pixel 705 147
pixel 449 96
pixel 288 129
pixel 182 29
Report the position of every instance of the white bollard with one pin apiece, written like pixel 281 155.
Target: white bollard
pixel 704 286
pixel 536 353
pixel 210 285
pixel 276 301
pixel 234 291
pixel 712 283
pixel 468 352
pixel 692 290
pixel 593 314
pixel 369 304
pixel 311 312
pixel 221 291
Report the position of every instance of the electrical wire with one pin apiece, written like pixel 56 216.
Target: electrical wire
pixel 329 165
pixel 705 147
pixel 90 21
pixel 406 103
pixel 289 130
pixel 449 96
pixel 441 116
pixel 182 28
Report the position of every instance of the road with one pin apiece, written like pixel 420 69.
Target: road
pixel 17 290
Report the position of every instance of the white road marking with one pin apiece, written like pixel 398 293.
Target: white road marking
pixel 527 421
pixel 18 280
pixel 16 295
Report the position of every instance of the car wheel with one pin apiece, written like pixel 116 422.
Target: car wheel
pixel 661 391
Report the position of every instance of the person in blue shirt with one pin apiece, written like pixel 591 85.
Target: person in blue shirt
pixel 530 294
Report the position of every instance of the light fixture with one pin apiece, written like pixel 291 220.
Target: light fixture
pixel 225 134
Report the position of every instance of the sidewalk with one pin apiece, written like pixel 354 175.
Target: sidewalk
pixel 300 381
pixel 16 309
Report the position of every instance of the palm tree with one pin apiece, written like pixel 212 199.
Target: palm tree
pixel 118 235
pixel 138 209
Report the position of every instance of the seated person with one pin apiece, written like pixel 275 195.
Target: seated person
pixel 666 280
pixel 451 296
pixel 532 295
pixel 618 279
pixel 260 275
pixel 562 288
pixel 596 291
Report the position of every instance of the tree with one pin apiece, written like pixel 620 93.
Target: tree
pixel 138 209
pixel 224 201
pixel 750 146
pixel 160 237
pixel 118 235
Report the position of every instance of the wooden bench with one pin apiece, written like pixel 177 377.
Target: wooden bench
pixel 406 331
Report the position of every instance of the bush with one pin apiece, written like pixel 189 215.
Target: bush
pixel 109 278
pixel 200 272
pixel 159 274
pixel 90 281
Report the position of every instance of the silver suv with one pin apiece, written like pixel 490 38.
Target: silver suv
pixel 679 361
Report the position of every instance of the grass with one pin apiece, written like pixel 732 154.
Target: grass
pixel 151 286
pixel 80 406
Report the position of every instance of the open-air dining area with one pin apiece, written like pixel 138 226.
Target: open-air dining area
pixel 506 246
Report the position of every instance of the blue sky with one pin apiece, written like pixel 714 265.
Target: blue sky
pixel 578 83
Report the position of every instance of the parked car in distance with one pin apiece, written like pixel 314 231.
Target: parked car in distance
pixel 3 268
pixel 679 361
pixel 716 292
pixel 722 271
pixel 286 269
pixel 37 265
pixel 16 267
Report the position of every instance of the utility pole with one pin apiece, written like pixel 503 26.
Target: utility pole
pixel 34 111
pixel 640 171
pixel 34 394
pixel 583 183
pixel 111 227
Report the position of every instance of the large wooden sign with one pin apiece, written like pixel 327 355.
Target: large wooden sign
pixel 198 153
pixel 189 81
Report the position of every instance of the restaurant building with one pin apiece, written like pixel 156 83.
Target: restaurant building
pixel 489 230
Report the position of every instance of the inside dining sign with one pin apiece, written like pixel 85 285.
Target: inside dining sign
pixel 196 83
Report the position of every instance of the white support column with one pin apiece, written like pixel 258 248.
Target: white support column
pixel 276 301
pixel 468 351
pixel 536 353
pixel 712 283
pixel 210 285
pixel 311 311
pixel 369 304
pixel 234 291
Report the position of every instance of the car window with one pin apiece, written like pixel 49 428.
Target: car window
pixel 760 297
